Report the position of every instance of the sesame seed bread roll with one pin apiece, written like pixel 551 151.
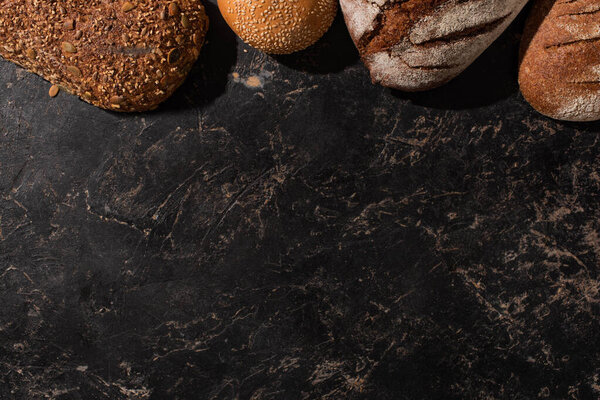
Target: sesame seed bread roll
pixel 559 73
pixel 416 45
pixel 279 26
pixel 118 55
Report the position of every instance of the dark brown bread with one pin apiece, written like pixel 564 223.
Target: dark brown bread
pixel 559 72
pixel 417 45
pixel 119 55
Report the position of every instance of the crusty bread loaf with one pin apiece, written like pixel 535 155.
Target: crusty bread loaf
pixel 415 45
pixel 119 55
pixel 559 72
pixel 279 27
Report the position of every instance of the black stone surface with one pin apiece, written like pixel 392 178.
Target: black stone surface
pixel 314 237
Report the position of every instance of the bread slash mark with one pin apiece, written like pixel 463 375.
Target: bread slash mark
pixel 378 23
pixel 595 82
pixel 571 43
pixel 475 30
pixel 590 12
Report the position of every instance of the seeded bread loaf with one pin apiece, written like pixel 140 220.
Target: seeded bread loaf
pixel 559 72
pixel 415 45
pixel 118 55
pixel 279 27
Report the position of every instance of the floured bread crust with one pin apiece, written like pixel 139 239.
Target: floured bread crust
pixel 559 72
pixel 415 45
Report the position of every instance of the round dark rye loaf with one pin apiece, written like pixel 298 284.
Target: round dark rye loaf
pixel 559 72
pixel 118 55
pixel 417 45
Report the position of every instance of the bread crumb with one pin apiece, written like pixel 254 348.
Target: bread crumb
pixel 256 81
pixel 253 82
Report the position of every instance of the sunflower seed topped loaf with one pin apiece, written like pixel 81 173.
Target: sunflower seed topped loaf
pixel 415 45
pixel 559 74
pixel 118 55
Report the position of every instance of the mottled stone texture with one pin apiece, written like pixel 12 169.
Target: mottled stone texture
pixel 301 234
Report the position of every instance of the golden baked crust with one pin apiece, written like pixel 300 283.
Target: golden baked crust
pixel 118 55
pixel 276 26
pixel 559 72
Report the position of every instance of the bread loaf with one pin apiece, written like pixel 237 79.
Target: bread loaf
pixel 279 27
pixel 559 73
pixel 119 55
pixel 415 45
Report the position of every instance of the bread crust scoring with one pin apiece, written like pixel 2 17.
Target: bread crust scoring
pixel 415 45
pixel 559 72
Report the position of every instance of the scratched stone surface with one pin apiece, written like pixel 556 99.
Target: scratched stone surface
pixel 284 229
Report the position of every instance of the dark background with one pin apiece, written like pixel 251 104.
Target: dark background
pixel 315 237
